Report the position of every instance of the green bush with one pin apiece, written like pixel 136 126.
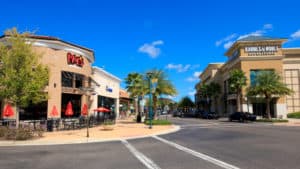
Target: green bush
pixel 295 115
pixel 273 120
pixel 158 122
pixel 3 131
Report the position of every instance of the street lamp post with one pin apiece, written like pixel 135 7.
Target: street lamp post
pixel 85 90
pixel 151 80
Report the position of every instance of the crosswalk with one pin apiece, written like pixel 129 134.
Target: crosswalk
pixel 204 161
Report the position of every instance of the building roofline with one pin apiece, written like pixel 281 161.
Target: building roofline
pixel 101 70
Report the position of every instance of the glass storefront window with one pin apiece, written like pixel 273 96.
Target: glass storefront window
pixel 253 75
pixel 69 79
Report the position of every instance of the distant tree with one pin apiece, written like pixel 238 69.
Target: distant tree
pixel 186 102
pixel 22 78
pixel 268 84
pixel 237 81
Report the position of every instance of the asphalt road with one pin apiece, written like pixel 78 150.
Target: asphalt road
pixel 200 144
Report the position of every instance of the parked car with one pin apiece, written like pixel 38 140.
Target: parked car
pixel 242 116
pixel 177 113
pixel 209 115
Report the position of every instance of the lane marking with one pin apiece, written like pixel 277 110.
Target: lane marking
pixel 140 156
pixel 197 154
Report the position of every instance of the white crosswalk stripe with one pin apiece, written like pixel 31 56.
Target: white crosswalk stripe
pixel 198 154
pixel 140 156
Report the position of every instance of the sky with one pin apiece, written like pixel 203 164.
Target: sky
pixel 180 37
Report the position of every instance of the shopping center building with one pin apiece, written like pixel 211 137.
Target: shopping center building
pixel 107 92
pixel 70 79
pixel 252 55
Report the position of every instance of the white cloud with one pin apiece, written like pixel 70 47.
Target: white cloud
pixel 194 78
pixel 227 45
pixel 179 67
pixel 296 35
pixel 224 40
pixel 268 26
pixel 192 93
pixel 151 49
pixel 230 39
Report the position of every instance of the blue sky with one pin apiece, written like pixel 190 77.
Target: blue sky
pixel 181 37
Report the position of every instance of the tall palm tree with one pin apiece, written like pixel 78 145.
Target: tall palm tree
pixel 163 87
pixel 214 90
pixel 237 81
pixel 136 86
pixel 268 84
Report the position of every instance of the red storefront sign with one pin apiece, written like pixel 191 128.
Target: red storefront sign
pixel 72 59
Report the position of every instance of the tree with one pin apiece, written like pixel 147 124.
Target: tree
pixel 186 102
pixel 268 84
pixel 203 91
pixel 136 86
pixel 22 78
pixel 214 90
pixel 237 81
pixel 163 87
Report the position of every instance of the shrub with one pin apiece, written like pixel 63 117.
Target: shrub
pixel 24 134
pixel 295 115
pixel 273 120
pixel 11 134
pixel 39 131
pixel 3 131
pixel 158 122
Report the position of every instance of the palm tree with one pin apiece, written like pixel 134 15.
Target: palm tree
pixel 163 87
pixel 268 84
pixel 202 90
pixel 136 86
pixel 214 89
pixel 237 81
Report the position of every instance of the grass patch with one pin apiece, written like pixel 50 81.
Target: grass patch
pixel 158 122
pixel 273 120
pixel 295 115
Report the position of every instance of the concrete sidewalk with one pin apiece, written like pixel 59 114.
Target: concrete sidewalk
pixel 123 129
pixel 292 122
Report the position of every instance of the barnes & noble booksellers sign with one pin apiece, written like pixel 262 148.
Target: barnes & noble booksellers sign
pixel 261 50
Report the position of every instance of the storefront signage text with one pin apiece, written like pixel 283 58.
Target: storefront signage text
pixel 108 89
pixel 261 50
pixel 72 59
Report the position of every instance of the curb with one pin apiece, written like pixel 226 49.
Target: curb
pixel 84 141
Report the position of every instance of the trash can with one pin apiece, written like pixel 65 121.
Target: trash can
pixel 50 125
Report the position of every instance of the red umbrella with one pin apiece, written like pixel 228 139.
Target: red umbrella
pixel 84 111
pixel 8 111
pixel 54 112
pixel 69 110
pixel 102 109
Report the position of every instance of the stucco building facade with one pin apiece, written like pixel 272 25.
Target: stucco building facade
pixel 252 55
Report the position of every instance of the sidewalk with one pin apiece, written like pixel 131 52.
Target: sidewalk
pixel 124 129
pixel 292 122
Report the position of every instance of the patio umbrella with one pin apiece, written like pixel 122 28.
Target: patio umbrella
pixel 84 111
pixel 69 110
pixel 54 112
pixel 102 109
pixel 8 111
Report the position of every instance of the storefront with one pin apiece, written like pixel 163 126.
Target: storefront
pixel 252 55
pixel 69 72
pixel 107 91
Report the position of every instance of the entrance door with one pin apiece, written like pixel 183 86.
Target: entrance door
pixel 259 107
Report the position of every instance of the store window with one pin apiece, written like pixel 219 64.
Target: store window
pixel 292 80
pixel 72 80
pixel 254 73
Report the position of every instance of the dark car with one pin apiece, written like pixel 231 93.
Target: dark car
pixel 242 116
pixel 209 115
pixel 177 113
